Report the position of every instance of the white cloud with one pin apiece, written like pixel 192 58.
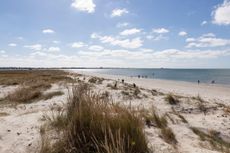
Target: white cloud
pixel 48 31
pixel 209 35
pixel 190 39
pixel 36 47
pixel 96 48
pixel 221 14
pixel 84 5
pixel 53 49
pixel 207 40
pixel 160 30
pixel 121 25
pixel 119 12
pixel 182 33
pixel 2 51
pixel 130 31
pixel 203 23
pixel 56 42
pixel 12 45
pixel 125 43
pixel 156 37
pixel 78 44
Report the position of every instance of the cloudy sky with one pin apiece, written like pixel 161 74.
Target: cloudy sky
pixel 115 33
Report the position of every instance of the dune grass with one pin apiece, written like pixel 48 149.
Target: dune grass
pixel 216 142
pixel 161 122
pixel 29 77
pixel 50 95
pixel 172 99
pixel 32 84
pixel 94 125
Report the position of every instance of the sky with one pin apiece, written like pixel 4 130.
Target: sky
pixel 115 33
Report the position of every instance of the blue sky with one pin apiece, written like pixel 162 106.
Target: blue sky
pixel 115 33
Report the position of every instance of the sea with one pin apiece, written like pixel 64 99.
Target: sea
pixel 207 76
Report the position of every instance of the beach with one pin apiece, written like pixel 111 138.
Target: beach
pixel 203 108
pixel 209 91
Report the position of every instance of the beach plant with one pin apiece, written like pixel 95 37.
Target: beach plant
pixel 161 122
pixel 94 125
pixel 171 99
pixel 214 139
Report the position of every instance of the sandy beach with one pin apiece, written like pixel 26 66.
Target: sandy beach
pixel 207 91
pixel 21 124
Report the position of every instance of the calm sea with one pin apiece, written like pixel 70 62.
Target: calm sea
pixel 220 76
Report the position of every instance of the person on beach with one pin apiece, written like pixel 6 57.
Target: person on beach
pixel 198 82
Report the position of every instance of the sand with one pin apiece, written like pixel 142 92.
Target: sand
pixel 208 91
pixel 20 125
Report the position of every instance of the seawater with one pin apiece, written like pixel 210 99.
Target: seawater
pixel 219 76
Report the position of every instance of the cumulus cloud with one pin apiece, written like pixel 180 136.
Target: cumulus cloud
pixel 221 14
pixel 12 45
pixel 96 48
pixel 123 24
pixel 207 40
pixel 157 37
pixel 35 47
pixel 48 31
pixel 151 55
pixel 119 12
pixel 182 33
pixel 125 43
pixel 130 31
pixel 78 44
pixel 53 49
pixel 84 5
pixel 203 23
pixel 160 30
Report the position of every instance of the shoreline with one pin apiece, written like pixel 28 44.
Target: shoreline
pixel 208 91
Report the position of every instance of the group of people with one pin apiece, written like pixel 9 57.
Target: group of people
pixel 213 81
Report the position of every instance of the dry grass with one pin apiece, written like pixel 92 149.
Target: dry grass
pixel 201 105
pixel 94 125
pixel 29 77
pixel 112 86
pixel 50 95
pixel 3 114
pixel 161 122
pixel 24 95
pixel 214 139
pixel 172 99
pixel 96 80
pixel 32 83
pixel 168 135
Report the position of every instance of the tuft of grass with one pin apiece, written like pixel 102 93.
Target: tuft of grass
pixel 96 80
pixel 112 86
pixel 3 114
pixel 171 99
pixel 136 92
pixel 162 123
pixel 168 135
pixel 50 95
pixel 95 125
pixel 201 105
pixel 214 139
pixel 24 95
